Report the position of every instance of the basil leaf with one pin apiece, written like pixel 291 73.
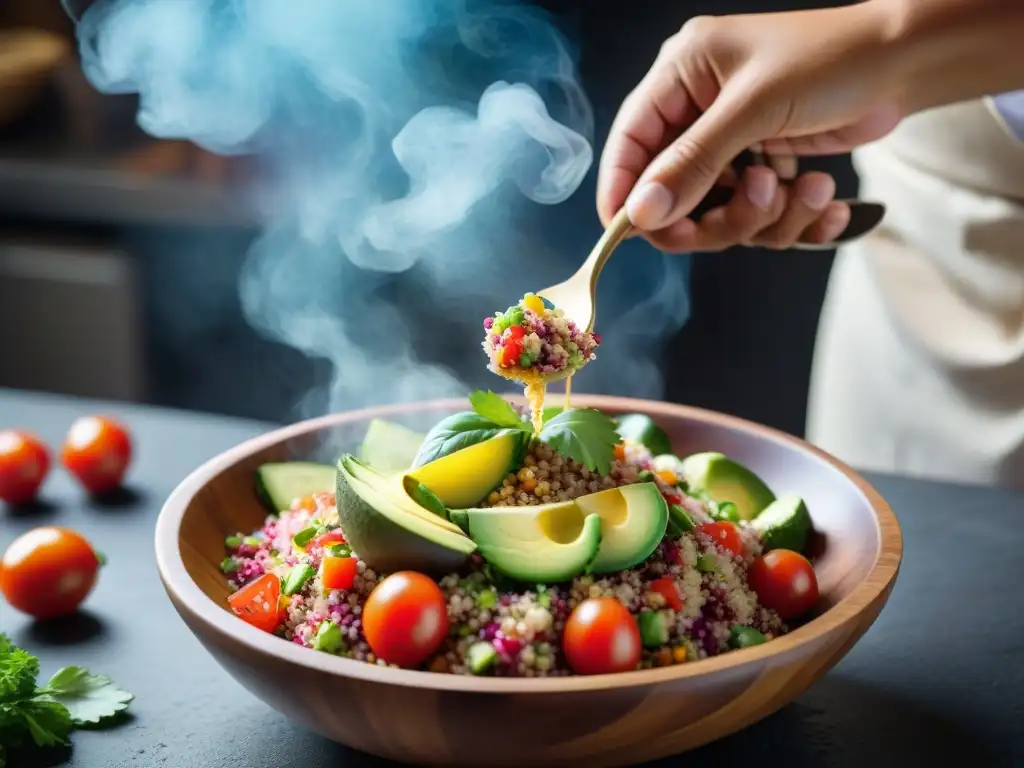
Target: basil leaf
pixel 425 497
pixel 497 410
pixel 454 433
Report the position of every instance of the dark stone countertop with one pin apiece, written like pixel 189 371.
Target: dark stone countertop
pixel 938 677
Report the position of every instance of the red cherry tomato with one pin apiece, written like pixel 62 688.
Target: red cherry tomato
pixel 97 451
pixel 258 602
pixel 326 539
pixel 510 352
pixel 601 636
pixel 516 332
pixel 405 619
pixel 338 572
pixel 725 534
pixel 785 582
pixel 48 572
pixel 666 587
pixel 24 463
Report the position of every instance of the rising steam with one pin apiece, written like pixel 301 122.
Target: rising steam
pixel 406 145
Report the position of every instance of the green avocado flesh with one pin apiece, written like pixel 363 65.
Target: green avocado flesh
pixel 465 477
pixel 723 479
pixel 633 523
pixel 388 530
pixel 389 447
pixel 543 544
pixel 784 524
pixel 279 483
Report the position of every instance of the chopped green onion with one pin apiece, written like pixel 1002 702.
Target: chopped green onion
pixel 707 564
pixel 328 637
pixel 306 535
pixel 233 542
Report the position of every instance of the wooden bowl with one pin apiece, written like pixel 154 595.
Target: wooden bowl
pixel 606 720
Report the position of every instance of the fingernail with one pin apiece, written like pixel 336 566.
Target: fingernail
pixel 761 184
pixel 836 220
pixel 649 205
pixel 817 195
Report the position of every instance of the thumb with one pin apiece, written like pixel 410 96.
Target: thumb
pixel 683 173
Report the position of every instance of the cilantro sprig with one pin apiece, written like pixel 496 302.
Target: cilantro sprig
pixel 585 435
pixel 46 716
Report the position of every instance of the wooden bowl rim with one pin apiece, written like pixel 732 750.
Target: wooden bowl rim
pixel 190 599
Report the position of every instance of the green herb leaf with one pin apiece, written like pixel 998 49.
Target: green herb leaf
pixel 18 671
pixel 88 698
pixel 425 497
pixel 454 433
pixel 497 410
pixel 585 435
pixel 48 722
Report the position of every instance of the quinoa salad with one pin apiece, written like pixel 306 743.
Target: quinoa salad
pixel 494 545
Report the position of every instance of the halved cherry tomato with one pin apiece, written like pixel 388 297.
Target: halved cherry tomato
pixel 48 572
pixel 97 451
pixel 725 534
pixel 666 587
pixel 258 602
pixel 785 582
pixel 510 352
pixel 516 332
pixel 601 636
pixel 326 539
pixel 405 619
pixel 338 572
pixel 24 463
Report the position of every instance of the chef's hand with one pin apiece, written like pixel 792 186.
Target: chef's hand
pixel 795 83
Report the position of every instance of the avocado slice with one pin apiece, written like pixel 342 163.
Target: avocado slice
pixel 723 479
pixel 279 483
pixel 388 531
pixel 389 447
pixel 541 544
pixel 464 478
pixel 784 524
pixel 633 523
pixel 641 428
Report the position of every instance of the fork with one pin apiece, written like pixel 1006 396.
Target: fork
pixel 577 296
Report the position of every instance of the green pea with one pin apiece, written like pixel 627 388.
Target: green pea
pixel 228 565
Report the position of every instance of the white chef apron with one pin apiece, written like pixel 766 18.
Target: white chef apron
pixel 919 360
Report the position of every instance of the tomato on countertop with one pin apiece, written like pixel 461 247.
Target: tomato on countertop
pixel 785 582
pixel 48 572
pixel 405 619
pixel 97 451
pixel 601 636
pixel 24 464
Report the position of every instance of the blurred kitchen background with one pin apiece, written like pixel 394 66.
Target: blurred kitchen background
pixel 103 230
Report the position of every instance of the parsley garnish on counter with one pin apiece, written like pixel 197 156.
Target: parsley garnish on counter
pixel 46 716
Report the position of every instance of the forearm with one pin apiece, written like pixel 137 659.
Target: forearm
pixel 946 51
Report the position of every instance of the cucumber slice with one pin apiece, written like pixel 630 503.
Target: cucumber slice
pixel 279 483
pixel 389 447
pixel 784 524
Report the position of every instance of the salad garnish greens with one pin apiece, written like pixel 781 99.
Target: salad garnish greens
pixel 586 435
pixel 45 716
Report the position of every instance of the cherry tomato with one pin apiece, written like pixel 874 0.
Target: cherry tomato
pixel 326 539
pixel 601 636
pixel 24 462
pixel 48 572
pixel 405 619
pixel 338 572
pixel 516 332
pixel 97 451
pixel 725 534
pixel 666 587
pixel 511 351
pixel 258 602
pixel 785 582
